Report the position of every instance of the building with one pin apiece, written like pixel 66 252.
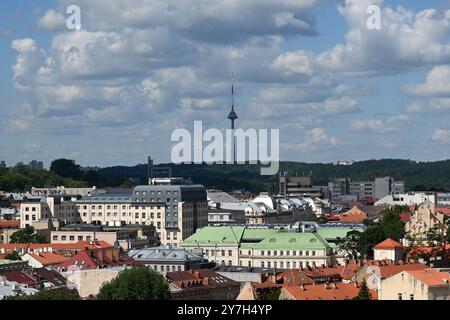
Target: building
pixel 7 229
pixel 374 272
pixel 424 219
pixel 96 258
pixel 406 199
pixel 66 249
pixel 354 215
pixel 202 284
pixel 224 217
pixel 341 188
pixel 298 185
pixel 36 165
pixel 389 250
pixel 128 236
pixel 443 199
pixel 44 259
pixel 169 259
pixel 61 208
pixel 176 209
pixel 332 291
pixel 428 284
pixel 2 164
pixel 269 247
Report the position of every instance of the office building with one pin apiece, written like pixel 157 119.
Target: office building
pixel 345 188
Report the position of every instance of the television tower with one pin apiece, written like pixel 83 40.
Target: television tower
pixel 232 115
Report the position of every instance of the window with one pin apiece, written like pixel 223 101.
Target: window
pixel 88 238
pixel 72 238
pixel 411 297
pixel 222 253
pixel 55 238
pixel 262 264
pixel 230 263
pixel 230 253
pixel 400 297
pixel 80 238
pixel 63 238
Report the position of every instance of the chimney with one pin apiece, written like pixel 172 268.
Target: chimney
pixel 302 287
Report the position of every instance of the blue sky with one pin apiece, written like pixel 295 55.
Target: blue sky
pixel 113 92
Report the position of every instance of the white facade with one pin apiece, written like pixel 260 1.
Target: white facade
pixel 406 199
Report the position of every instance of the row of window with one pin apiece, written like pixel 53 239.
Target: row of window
pixel 143 215
pixel 71 238
pixel 108 207
pixel 155 192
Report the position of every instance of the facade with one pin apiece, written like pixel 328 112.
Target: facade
pixel 423 219
pixel 406 199
pixel 389 250
pixel 296 185
pixel 380 187
pixel 36 165
pixel 428 284
pixel 7 228
pixel 268 248
pixel 61 208
pixel 127 236
pixel 170 259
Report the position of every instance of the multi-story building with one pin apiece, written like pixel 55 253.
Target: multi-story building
pixel 378 188
pixel 176 210
pixel 265 247
pixel 298 185
pixel 36 165
pixel 128 236
pixel 406 199
pixel 428 284
pixel 166 259
pixel 61 208
pixel 2 165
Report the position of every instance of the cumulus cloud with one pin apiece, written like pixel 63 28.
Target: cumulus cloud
pixel 441 136
pixel 381 126
pixel 52 20
pixel 315 138
pixel 407 40
pixel 437 83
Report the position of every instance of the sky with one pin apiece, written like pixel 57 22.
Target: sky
pixel 114 91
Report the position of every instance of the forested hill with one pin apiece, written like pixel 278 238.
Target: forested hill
pixel 433 176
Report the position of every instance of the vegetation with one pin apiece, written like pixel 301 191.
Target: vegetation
pixel 27 235
pixel 433 176
pixel 13 256
pixel 364 293
pixel 358 245
pixel 50 295
pixel 136 284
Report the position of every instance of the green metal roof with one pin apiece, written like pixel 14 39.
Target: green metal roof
pixel 287 240
pixel 219 235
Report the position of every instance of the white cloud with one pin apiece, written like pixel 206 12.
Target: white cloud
pixel 315 138
pixel 437 83
pixel 381 126
pixel 407 40
pixel 441 136
pixel 52 20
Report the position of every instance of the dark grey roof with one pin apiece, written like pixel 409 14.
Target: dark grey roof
pixel 164 254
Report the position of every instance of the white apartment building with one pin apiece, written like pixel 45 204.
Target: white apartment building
pixel 406 199
pixel 62 208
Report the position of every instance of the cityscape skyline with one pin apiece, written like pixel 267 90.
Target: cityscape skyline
pixel 334 88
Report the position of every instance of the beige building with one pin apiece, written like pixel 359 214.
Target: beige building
pixel 61 208
pixel 63 191
pixel 129 237
pixel 423 219
pixel 388 250
pixel 428 284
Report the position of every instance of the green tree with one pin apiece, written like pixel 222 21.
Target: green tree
pixel 66 168
pixel 136 284
pixel 350 245
pixel 13 256
pixel 64 294
pixel 27 235
pixel 364 293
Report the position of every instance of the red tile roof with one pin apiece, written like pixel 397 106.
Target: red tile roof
pixel 391 268
pixel 389 244
pixel 49 258
pixel 20 277
pixel 405 217
pixel 431 277
pixel 334 291
pixel 294 278
pixel 9 224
